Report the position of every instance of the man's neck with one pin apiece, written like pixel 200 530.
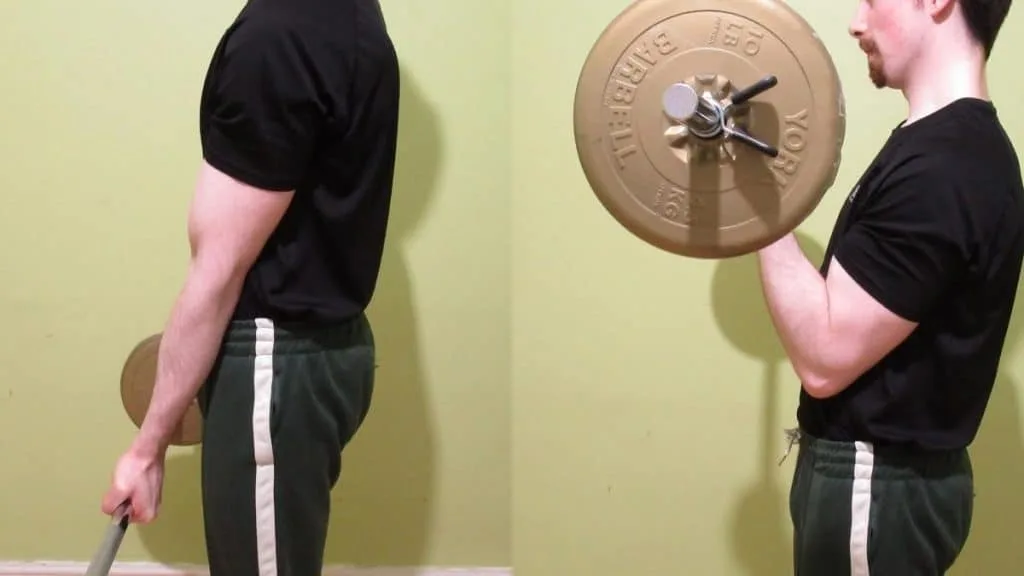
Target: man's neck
pixel 949 75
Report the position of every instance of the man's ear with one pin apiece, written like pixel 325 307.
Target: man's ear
pixel 938 10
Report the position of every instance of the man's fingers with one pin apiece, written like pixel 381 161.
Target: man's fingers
pixel 114 498
pixel 145 516
pixel 143 509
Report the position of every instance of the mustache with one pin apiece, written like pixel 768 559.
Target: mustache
pixel 867 45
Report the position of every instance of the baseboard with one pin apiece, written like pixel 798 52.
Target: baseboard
pixel 44 568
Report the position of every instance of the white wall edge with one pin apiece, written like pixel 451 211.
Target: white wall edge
pixel 57 568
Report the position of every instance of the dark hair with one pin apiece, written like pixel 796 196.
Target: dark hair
pixel 984 19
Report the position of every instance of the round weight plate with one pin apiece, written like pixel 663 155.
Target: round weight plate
pixel 698 196
pixel 137 379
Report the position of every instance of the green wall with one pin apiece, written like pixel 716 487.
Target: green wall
pixel 527 342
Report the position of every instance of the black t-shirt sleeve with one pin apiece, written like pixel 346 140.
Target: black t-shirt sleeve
pixel 262 112
pixel 910 241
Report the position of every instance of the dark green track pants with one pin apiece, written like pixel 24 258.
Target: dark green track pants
pixel 279 406
pixel 862 510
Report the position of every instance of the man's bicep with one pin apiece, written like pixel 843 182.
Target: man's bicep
pixel 863 328
pixel 891 268
pixel 261 111
pixel 904 264
pixel 908 246
pixel 230 222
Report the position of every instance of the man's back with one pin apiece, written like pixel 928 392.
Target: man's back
pixel 320 91
pixel 946 193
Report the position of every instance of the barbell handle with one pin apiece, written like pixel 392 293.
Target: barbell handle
pixel 105 554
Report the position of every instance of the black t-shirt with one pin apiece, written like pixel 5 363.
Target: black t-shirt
pixel 934 230
pixel 303 95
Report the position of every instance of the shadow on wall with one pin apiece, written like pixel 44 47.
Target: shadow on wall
pixel 382 505
pixel 993 547
pixel 760 523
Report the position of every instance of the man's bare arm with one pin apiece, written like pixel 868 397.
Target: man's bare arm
pixel 832 330
pixel 229 223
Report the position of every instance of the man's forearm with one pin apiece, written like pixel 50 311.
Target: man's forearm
pixel 798 303
pixel 188 349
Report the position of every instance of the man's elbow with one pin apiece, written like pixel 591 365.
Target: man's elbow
pixel 819 390
pixel 822 383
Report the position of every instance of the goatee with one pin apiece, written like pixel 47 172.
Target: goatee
pixel 875 69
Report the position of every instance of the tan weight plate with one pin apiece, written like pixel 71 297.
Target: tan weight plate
pixel 137 379
pixel 697 196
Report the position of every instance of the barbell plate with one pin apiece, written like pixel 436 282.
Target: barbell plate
pixel 717 197
pixel 138 377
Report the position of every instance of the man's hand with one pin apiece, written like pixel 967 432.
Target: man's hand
pixel 138 480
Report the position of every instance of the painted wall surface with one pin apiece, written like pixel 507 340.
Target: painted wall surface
pixel 100 152
pixel 649 391
pixel 527 342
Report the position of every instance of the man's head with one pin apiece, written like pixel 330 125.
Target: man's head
pixel 898 35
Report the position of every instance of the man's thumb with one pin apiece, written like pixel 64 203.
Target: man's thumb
pixel 114 498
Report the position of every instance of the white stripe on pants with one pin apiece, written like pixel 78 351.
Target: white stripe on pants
pixel 263 385
pixel 860 508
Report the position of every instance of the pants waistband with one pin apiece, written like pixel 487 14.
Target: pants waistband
pixel 893 462
pixel 243 337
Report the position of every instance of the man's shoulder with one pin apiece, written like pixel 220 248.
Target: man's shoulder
pixel 958 165
pixel 264 28
pixel 966 182
pixel 277 53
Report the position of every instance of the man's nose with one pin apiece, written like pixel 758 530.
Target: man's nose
pixel 857 26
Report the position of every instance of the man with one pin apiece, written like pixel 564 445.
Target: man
pixel 898 337
pixel 298 125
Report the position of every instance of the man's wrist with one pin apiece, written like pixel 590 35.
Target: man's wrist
pixel 786 242
pixel 149 445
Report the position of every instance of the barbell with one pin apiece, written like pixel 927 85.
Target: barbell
pixel 709 129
